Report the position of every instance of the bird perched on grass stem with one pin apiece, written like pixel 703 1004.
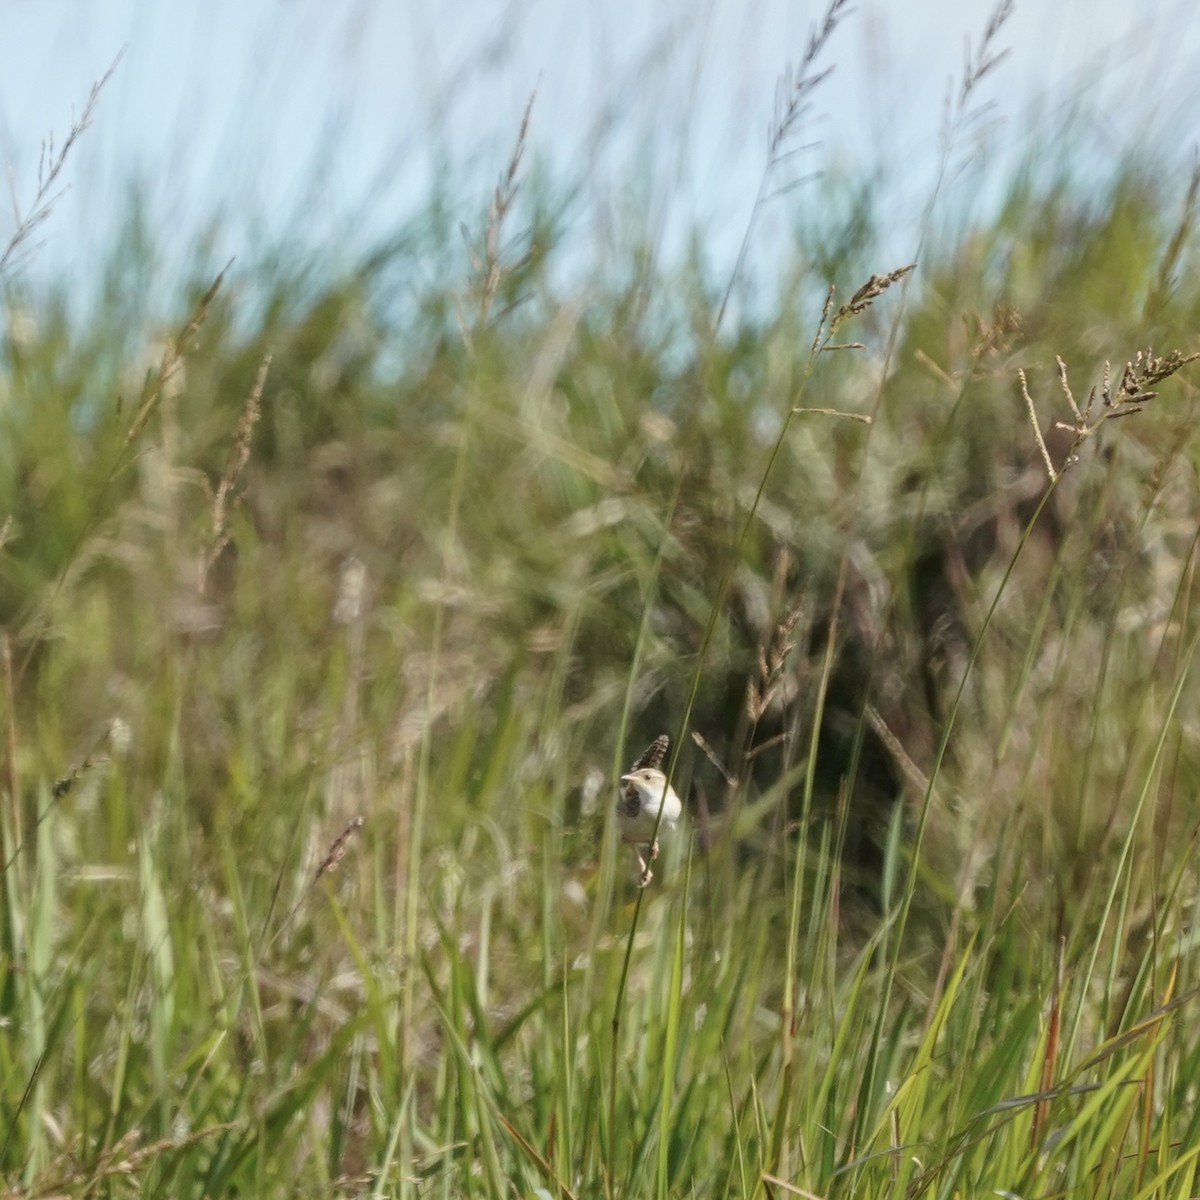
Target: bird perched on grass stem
pixel 644 791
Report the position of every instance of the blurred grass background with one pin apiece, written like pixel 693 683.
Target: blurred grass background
pixel 438 539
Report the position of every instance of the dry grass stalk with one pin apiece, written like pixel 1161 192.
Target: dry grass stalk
pixel 116 732
pixel 959 115
pixel 917 778
pixel 122 1159
pixel 861 418
pixel 995 335
pixel 826 309
pixel 1066 387
pixel 239 456
pixel 335 854
pixel 858 303
pixel 1131 395
pixel 1037 433
pixel 152 394
pixel 711 755
pixel 488 264
pixel 94 758
pixel 338 850
pixel 761 690
pixel 1050 1055
pixel 762 747
pixel 987 59
pixel 172 359
pixel 10 742
pixel 792 94
pixel 867 295
pixel 1164 282
pixel 795 87
pixel 50 167
pixel 1144 372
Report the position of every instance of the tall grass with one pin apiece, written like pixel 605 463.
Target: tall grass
pixel 331 620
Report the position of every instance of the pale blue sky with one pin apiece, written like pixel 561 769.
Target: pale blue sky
pixel 328 119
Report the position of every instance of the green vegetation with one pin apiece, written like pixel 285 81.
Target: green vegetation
pixel 334 609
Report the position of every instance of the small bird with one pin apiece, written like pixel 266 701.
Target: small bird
pixel 645 791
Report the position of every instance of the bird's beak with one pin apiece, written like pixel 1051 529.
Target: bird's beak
pixel 626 778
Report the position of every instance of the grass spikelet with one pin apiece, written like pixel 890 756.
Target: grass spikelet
pixel 49 185
pixel 172 360
pixel 867 295
pixel 1131 395
pixel 337 851
pixel 239 456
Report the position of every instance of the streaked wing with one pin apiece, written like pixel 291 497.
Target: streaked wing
pixel 629 803
pixel 654 755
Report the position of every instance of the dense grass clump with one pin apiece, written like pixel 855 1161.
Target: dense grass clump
pixel 335 606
